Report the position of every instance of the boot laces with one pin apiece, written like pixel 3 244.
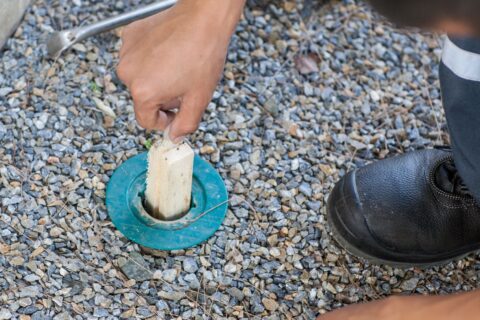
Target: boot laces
pixel 449 179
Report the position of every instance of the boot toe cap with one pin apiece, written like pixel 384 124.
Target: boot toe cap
pixel 345 212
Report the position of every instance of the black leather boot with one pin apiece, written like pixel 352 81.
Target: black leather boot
pixel 410 210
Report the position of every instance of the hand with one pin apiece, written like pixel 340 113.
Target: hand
pixel 171 62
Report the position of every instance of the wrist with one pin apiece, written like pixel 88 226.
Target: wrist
pixel 215 14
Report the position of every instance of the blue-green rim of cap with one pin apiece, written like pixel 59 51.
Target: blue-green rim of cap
pixel 206 215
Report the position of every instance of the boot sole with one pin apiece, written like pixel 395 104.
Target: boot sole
pixel 351 249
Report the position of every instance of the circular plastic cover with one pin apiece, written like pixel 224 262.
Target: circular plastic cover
pixel 125 207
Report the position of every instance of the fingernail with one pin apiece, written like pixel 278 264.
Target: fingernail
pixel 178 139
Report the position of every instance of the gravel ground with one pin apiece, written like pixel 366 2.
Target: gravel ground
pixel 307 95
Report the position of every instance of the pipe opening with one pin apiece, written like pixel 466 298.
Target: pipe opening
pixel 149 210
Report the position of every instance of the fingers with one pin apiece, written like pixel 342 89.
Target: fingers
pixel 150 112
pixel 147 116
pixel 154 111
pixel 171 105
pixel 152 116
pixel 188 117
pixel 155 119
pixel 165 118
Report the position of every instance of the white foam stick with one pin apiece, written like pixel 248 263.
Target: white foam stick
pixel 169 179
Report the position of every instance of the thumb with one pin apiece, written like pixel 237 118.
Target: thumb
pixel 188 118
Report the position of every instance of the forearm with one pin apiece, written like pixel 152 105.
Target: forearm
pixel 221 15
pixel 449 307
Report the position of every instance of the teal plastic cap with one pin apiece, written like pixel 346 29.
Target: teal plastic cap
pixel 125 207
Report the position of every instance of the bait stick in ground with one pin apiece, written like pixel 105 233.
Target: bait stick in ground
pixel 169 180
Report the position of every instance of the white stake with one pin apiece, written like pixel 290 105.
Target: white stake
pixel 169 179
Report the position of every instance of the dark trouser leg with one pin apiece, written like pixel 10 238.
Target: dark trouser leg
pixel 460 82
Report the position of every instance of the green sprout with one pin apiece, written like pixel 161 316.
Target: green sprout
pixel 148 144
pixel 95 87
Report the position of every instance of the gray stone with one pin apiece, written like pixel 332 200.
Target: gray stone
pixel 410 284
pixel 100 312
pixel 161 305
pixel 235 292
pixel 231 160
pixel 192 281
pixel 305 189
pixel 31 278
pixel 171 295
pixel 169 275
pixel 39 315
pixel 135 267
pixel 5 314
pixel 30 291
pixel 190 265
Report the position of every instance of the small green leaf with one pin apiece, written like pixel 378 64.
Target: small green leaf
pixel 94 87
pixel 148 144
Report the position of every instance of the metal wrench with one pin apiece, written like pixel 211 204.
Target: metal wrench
pixel 60 41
